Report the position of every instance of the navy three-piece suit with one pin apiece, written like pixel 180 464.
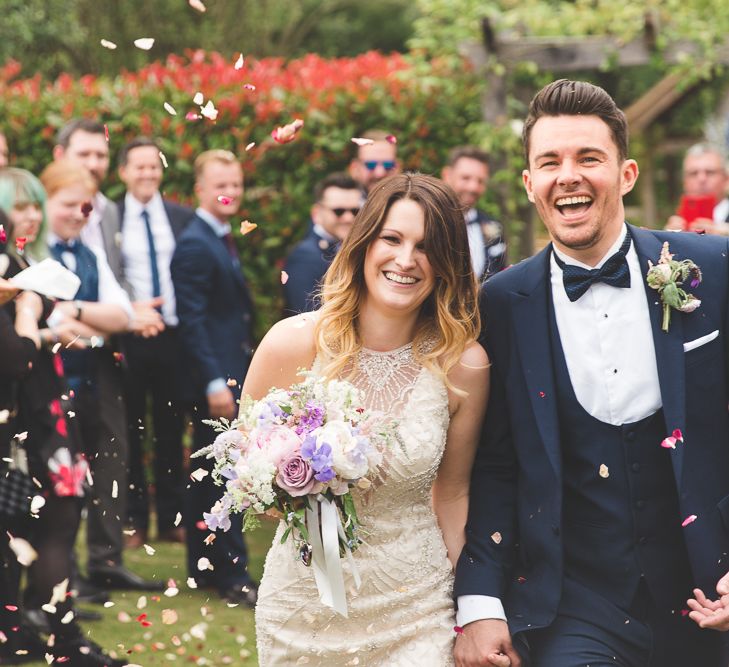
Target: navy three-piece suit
pixel 551 538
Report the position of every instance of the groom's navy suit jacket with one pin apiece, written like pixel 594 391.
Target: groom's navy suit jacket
pixel 517 483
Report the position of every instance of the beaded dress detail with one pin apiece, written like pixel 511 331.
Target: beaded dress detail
pixel 402 615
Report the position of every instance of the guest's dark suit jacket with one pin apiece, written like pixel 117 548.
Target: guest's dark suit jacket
pixel 306 265
pixel 214 309
pixel 493 244
pixel 516 488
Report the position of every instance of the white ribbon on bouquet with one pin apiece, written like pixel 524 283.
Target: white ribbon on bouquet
pixel 325 560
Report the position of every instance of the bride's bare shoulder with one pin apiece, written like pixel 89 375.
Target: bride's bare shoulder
pixel 285 349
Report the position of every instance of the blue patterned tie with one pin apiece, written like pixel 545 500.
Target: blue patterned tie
pixel 614 272
pixel 156 290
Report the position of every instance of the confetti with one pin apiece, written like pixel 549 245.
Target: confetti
pixel 246 227
pixel 20 243
pixel 604 472
pixel 239 62
pixel 123 617
pixel 204 564
pixel 669 442
pixel 198 98
pixel 209 111
pixel 197 5
pixel 114 489
pixel 225 200
pixel 25 554
pixel 20 437
pixel 171 591
pixel 232 382
pixel 170 109
pixel 106 132
pixel 178 518
pixel 362 142
pixel 108 44
pixel 284 277
pixel 198 631
pixel 249 86
pixel 108 604
pixel 677 434
pixel 191 583
pixel 36 504
pixel 144 43
pixel 209 539
pixel 251 145
pixel 86 208
pixel 688 520
pixel 150 550
pixel 142 602
pixel 496 537
pixel 67 618
pixel 169 616
pixel 391 139
pixel 287 133
pixel 199 474
pixel 191 115
pixel 4 234
pixel 163 159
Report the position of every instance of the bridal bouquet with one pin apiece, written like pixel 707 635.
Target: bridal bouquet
pixel 301 451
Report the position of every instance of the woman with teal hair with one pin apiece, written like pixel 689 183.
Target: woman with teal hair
pixel 23 199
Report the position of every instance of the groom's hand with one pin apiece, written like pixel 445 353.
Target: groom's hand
pixel 711 614
pixel 486 642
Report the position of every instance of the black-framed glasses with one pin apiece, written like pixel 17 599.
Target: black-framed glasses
pixel 339 212
pixel 387 165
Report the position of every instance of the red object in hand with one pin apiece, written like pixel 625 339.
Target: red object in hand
pixel 690 208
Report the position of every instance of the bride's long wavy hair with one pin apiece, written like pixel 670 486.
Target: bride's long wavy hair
pixel 448 320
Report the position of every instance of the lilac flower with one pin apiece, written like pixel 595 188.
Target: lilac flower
pixel 312 419
pixel 320 458
pixel 219 516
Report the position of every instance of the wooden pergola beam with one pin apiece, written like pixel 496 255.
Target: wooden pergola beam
pixel 661 97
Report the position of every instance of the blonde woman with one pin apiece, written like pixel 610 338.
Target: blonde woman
pixel 399 319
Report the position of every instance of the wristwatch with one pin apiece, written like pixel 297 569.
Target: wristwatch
pixel 79 311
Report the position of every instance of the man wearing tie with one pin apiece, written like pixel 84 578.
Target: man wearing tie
pixel 150 226
pixel 215 313
pixel 599 502
pixel 337 201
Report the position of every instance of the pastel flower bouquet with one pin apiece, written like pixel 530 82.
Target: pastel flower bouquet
pixel 301 451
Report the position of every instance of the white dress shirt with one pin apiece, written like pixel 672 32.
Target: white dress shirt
pixel 135 252
pixel 607 340
pixel 475 242
pixel 91 233
pixel 110 291
pixel 721 213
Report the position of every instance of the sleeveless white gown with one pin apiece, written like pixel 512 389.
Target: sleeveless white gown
pixel 402 615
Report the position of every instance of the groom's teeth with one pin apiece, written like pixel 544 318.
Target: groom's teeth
pixel 405 280
pixel 567 201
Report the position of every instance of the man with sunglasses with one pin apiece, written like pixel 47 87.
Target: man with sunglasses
pixel 374 161
pixel 337 201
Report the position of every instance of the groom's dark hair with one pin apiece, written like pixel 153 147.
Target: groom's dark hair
pixel 577 98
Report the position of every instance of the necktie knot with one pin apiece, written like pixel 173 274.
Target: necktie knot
pixel 67 246
pixel 614 272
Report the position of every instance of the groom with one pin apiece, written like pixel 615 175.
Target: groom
pixel 588 531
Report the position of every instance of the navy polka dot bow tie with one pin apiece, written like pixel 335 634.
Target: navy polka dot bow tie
pixel 614 272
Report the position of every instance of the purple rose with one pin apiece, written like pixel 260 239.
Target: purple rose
pixel 295 476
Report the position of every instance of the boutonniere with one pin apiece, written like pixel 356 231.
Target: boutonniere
pixel 667 277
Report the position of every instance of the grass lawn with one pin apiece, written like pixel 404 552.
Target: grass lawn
pixel 206 631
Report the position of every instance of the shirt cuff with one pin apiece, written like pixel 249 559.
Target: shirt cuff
pixel 55 318
pixel 216 385
pixel 478 608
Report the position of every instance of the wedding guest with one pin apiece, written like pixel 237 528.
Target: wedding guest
pixel 150 227
pixel 374 160
pixel 467 172
pixel 337 201
pixel 215 325
pixel 103 305
pixel 705 173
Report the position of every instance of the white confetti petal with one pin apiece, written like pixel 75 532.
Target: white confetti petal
pixel 20 437
pixel 67 618
pixel 178 518
pixel 191 583
pixel 4 416
pixel 114 489
pixel 209 111
pixel 199 474
pixel 251 145
pixel 150 550
pixel 108 604
pixel 36 503
pixel 163 158
pixel 198 99
pixel 362 142
pixel 171 592
pixel 144 43
pixel 107 44
pixel 204 564
pixel 198 5
pixel 142 602
pixel 169 616
pixel 24 552
pixel 170 109
pixel 239 62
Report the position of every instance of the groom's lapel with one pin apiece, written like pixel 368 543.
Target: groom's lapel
pixel 531 323
pixel 668 345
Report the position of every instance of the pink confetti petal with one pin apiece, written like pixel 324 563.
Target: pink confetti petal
pixel 224 200
pixel 239 62
pixel 86 208
pixel 4 234
pixel 144 43
pixel 287 133
pixel 669 442
pixel 20 243
pixel 678 435
pixel 191 115
pixel 284 277
pixel 362 142
pixel 249 86
pixel 107 44
pixel 197 5
pixel 106 132
pixel 391 138
pixel 688 520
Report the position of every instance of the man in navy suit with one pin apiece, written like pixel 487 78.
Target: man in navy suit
pixel 337 201
pixel 215 323
pixel 586 536
pixel 150 227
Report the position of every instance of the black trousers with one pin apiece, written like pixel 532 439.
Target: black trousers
pixel 590 630
pixel 227 553
pixel 151 377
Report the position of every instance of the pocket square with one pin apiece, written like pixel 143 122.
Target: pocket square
pixel 693 344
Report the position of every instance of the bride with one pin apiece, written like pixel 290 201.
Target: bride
pixel 399 319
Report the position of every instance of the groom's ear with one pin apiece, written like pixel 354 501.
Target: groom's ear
pixel 527 179
pixel 628 176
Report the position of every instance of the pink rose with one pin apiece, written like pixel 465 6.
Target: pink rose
pixel 279 443
pixel 295 476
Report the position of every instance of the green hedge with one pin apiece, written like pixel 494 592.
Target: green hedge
pixel 429 106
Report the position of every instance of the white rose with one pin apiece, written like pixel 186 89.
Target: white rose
pixel 346 457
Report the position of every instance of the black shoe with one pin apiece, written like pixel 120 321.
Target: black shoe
pixel 82 652
pixel 119 577
pixel 245 594
pixel 85 591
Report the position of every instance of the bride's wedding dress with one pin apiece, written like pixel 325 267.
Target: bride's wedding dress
pixel 403 612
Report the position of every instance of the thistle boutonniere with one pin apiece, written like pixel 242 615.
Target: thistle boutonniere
pixel 667 277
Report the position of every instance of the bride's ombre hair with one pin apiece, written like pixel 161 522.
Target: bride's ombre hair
pixel 448 320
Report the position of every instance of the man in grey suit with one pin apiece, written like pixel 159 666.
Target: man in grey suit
pixel 84 141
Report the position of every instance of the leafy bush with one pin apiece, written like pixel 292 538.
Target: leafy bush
pixel 429 106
